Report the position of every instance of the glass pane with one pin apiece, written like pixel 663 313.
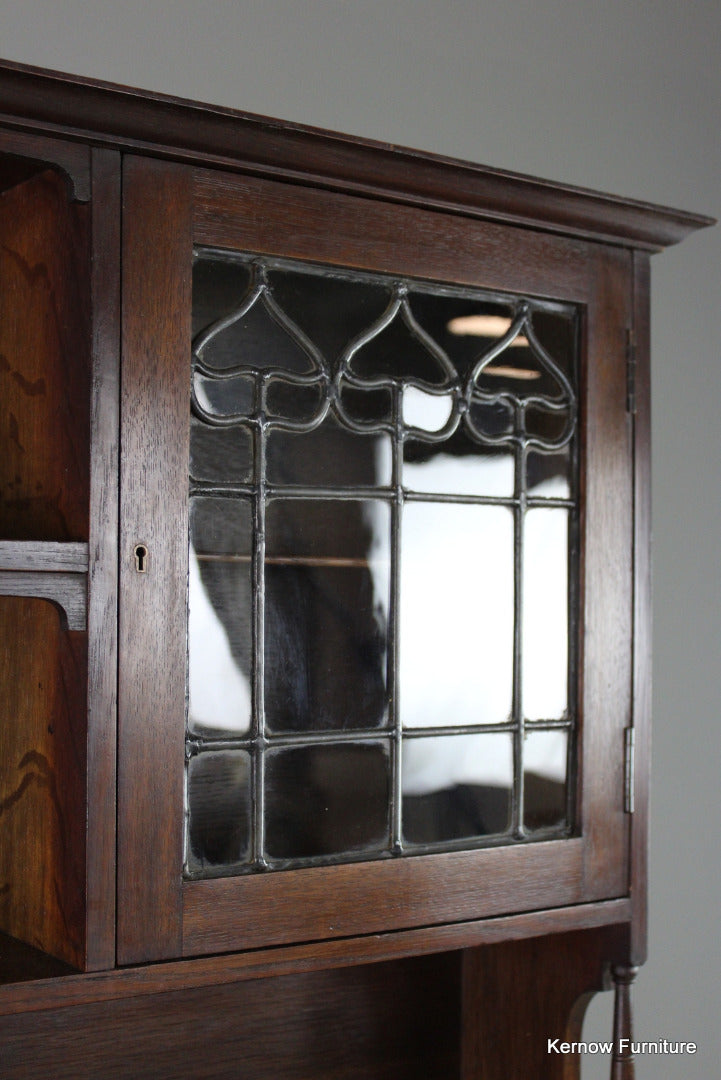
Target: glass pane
pixel 544 771
pixel 257 340
pixel 219 809
pixel 550 475
pixel 397 352
pixel 329 456
pixel 330 308
pixel 223 398
pixel 326 616
pixel 492 421
pixel 219 286
pixel 220 527
pixel 457 466
pixel 456 614
pixel 366 407
pixel 298 404
pixel 464 328
pixel 456 787
pixel 425 411
pixel 465 379
pixel 550 427
pixel 327 800
pixel 545 614
pixel 219 616
pixel 220 455
pixel 556 333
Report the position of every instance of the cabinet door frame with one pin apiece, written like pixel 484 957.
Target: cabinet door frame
pixel 167 208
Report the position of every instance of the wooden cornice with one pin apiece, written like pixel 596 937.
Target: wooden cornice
pixel 102 114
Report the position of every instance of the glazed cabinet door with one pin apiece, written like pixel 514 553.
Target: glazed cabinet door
pixel 375 566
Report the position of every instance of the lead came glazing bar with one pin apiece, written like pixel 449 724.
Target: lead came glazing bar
pixel 258 631
pixel 387 393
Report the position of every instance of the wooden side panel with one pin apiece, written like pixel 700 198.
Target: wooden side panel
pixel 606 617
pixel 395 1021
pixel 519 994
pixel 103 559
pixel 44 363
pixel 42 779
pixel 154 481
pixel 642 608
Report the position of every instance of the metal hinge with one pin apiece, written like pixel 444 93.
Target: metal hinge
pixel 629 769
pixel 631 372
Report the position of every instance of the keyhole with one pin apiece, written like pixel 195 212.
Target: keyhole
pixel 141 558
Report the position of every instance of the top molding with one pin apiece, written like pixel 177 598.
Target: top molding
pixel 102 114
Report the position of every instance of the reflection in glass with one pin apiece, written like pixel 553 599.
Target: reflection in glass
pixel 219 285
pixel 547 468
pixel 329 456
pixel 453 322
pixel 327 800
pixel 220 454
pixel 220 527
pixel 257 340
pixel 331 309
pixel 456 614
pixel 548 425
pixel 400 351
pixel 368 409
pixel 219 809
pixel 544 770
pixel 225 397
pixel 457 466
pixel 428 412
pixel 299 404
pixel 456 787
pixel 326 614
pixel 556 333
pixel 545 614
pixel 390 546
pixel 492 421
pixel 219 615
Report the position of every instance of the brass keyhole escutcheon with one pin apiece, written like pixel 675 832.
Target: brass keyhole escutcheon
pixel 141 558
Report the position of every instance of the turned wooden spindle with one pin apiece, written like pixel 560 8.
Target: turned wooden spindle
pixel 622 1063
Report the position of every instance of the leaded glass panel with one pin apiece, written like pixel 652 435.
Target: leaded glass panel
pixel 383 566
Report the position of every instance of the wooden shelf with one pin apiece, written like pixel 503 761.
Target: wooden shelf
pixel 44 556
pixel 48 570
pixel 62 986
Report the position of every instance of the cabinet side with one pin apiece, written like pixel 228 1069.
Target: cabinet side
pixel 44 469
pixel 642 605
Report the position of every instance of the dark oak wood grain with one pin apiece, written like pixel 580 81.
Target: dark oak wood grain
pixel 606 581
pixel 103 562
pixel 186 131
pixel 247 214
pixel 518 995
pixel 340 901
pixel 42 779
pixel 154 480
pixel 40 555
pixel 459 964
pixel 44 350
pixel 642 608
pixel 150 979
pixel 68 592
pixel 22 964
pixel 23 155
pixel 253 911
pixel 394 1021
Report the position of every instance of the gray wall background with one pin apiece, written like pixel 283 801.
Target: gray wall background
pixel 620 96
